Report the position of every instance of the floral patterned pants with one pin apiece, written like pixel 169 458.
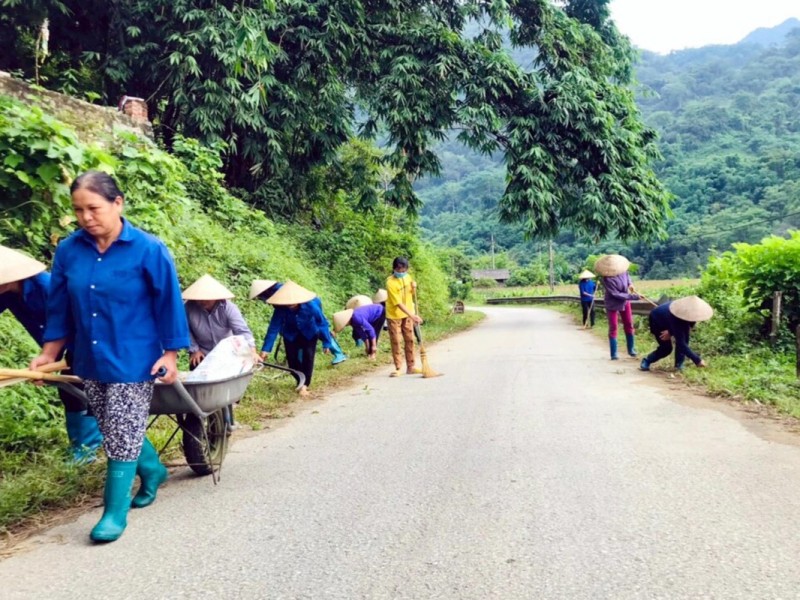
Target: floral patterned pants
pixel 121 410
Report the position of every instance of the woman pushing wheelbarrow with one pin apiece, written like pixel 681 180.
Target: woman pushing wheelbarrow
pixel 115 296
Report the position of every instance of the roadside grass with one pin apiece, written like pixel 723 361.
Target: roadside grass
pixel 761 375
pixel 34 486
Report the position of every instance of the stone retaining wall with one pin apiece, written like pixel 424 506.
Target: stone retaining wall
pixel 92 122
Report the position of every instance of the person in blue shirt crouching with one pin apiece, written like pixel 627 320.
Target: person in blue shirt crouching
pixel 115 298
pixel 675 320
pixel 24 286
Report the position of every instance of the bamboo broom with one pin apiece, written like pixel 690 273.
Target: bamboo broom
pixel 427 371
pixel 38 375
pixel 6 380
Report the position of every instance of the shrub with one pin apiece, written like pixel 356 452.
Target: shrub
pixel 533 274
pixel 484 283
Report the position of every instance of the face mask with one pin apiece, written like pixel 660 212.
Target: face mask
pixel 399 275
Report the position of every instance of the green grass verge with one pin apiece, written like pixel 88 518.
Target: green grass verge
pixel 34 485
pixel 760 375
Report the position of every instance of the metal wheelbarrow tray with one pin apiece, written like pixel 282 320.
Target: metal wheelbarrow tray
pixel 203 412
pixel 200 398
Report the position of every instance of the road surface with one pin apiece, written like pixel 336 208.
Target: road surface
pixel 534 469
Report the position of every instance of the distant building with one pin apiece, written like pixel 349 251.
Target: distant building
pixel 499 275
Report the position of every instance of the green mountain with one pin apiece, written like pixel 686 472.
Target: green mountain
pixel 770 36
pixel 730 138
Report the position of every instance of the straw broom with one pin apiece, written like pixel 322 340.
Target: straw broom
pixel 38 375
pixel 6 380
pixel 427 371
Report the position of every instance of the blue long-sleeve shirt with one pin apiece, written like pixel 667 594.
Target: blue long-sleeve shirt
pixel 308 320
pixel 366 319
pixel 121 309
pixel 587 288
pixel 30 306
pixel 661 319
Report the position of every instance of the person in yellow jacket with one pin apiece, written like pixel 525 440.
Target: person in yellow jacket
pixel 401 316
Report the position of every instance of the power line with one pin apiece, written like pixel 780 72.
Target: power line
pixel 745 225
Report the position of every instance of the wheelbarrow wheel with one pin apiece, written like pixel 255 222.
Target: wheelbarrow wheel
pixel 194 446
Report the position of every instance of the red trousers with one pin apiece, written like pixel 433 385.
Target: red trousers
pixel 613 320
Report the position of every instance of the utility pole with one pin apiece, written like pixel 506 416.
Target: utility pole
pixel 552 270
pixel 492 251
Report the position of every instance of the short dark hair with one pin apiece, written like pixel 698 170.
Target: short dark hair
pixel 400 261
pixel 98 182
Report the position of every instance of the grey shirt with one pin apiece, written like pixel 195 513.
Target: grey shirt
pixel 207 329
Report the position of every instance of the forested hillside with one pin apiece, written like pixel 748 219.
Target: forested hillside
pixel 730 140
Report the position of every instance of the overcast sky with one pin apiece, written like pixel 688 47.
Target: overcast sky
pixel 665 25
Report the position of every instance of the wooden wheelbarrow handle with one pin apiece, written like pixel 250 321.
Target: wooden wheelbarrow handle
pixel 44 374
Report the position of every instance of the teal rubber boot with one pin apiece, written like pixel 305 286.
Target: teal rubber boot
pixel 151 472
pixel 84 436
pixel 612 346
pixel 117 499
pixel 630 339
pixel 338 354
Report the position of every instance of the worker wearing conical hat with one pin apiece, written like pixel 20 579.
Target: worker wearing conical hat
pixel 366 322
pixel 358 300
pixel 586 288
pixel 213 317
pixel 298 318
pixel 618 295
pixel 24 286
pixel 675 320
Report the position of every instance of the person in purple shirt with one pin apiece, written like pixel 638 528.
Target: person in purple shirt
pixel 366 322
pixel 212 318
pixel 618 296
pixel 116 300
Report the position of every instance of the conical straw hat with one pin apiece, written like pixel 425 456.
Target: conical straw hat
pixel 16 266
pixel 380 296
pixel 341 319
pixel 259 286
pixel 612 264
pixel 357 301
pixel 291 293
pixel 692 309
pixel 207 288
pixel 586 274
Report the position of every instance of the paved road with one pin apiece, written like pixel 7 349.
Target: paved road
pixel 534 469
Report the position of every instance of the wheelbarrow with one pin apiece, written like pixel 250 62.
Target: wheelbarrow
pixel 202 411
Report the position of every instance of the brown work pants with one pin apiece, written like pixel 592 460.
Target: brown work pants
pixel 402 331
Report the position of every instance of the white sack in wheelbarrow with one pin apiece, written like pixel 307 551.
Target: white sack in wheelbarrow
pixel 231 357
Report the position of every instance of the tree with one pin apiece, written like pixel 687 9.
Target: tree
pixel 280 86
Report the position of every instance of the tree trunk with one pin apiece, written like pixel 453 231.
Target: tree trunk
pixel 797 347
pixel 774 329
